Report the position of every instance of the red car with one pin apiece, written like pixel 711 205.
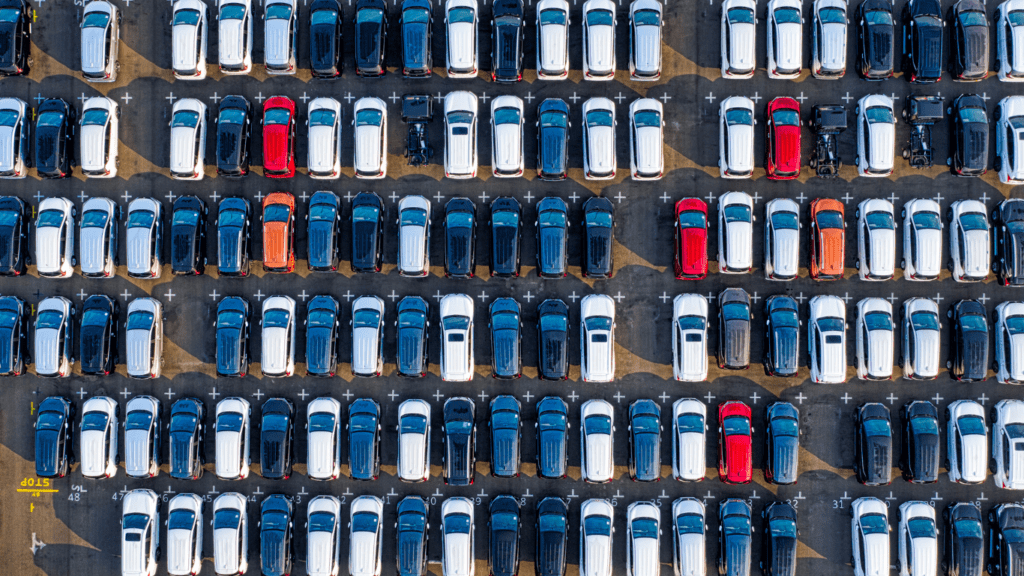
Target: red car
pixel 279 137
pixel 691 239
pixel 734 431
pixel 782 141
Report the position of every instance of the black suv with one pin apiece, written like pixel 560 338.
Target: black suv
pixel 15 37
pixel 417 24
pixel 553 139
pixel 872 460
pixel 459 461
pixel 413 343
pixel 552 536
pixel 963 541
pixel 1008 242
pixel 54 420
pixel 323 231
pixel 919 459
pixel 367 232
pixel 968 344
pixel 968 136
pixel 459 238
pixel 371 37
pixel 598 230
pixel 553 340
pixel 778 551
pixel 968 41
pixel 734 329
pixel 234 136
pixel 364 439
pixel 506 426
pixel 506 236
pixel 1005 540
pixel 922 41
pixel 276 538
pixel 185 431
pixel 412 536
pixel 552 437
pixel 644 441
pixel 322 336
pixel 56 128
pixel 876 32
pixel 504 526
pixel 277 423
pixel 13 336
pixel 232 333
pixel 13 236
pixel 507 25
pixel 188 236
pixel 98 336
pixel 325 19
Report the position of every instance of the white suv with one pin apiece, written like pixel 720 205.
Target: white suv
pixel 235 33
pixel 188 139
pixel 735 233
pixel 922 239
pixel 969 245
pixel 597 463
pixel 414 236
pixel 185 535
pixel 1009 134
pixel 1008 444
pixel 98 235
pixel 599 162
pixel 323 536
pixel 458 537
pixel 461 20
pixel 365 536
pixel 367 336
pixel 278 337
pixel 689 439
pixel 98 437
pixel 643 539
pixel 596 519
pixel 918 539
pixel 597 335
pixel 785 39
pixel 552 39
pixel 279 36
pixel 232 439
pixel 736 137
pixel 1009 59
pixel 230 534
pixel 189 26
pixel 323 439
pixel 828 39
pixel 646 139
pixel 1009 338
pixel 876 136
pixel 966 442
pixel 690 338
pixel 98 137
pixel 739 33
pixel 921 338
pixel 55 238
pixel 414 441
pixel 323 120
pixel 507 137
pixel 370 121
pixel 598 40
pixel 457 363
pixel 460 121
pixel 826 339
pixel 781 239
pixel 874 339
pixel 140 532
pixel 869 531
pixel 876 240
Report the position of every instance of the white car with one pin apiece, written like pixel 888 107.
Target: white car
pixel 280 40
pixel 646 140
pixel 876 240
pixel 828 39
pixel 1008 444
pixel 230 534
pixel 869 530
pixel 457 365
pixel 101 32
pixel 370 122
pixel 54 336
pixel 643 542
pixel 55 238
pixel 188 139
pixel 922 239
pixel 596 519
pixel 142 434
pixel 966 442
pixel 597 332
pixel 15 120
pixel 553 39
pixel 781 239
pixel 874 339
pixel 232 439
pixel 736 137
pixel 235 32
pixel 144 338
pixel 277 354
pixel 144 238
pixel 739 32
pixel 98 437
pixel 1009 339
pixel 598 40
pixel 185 535
pixel 918 540
pixel 98 234
pixel 1009 134
pixel 98 137
pixel 688 537
pixel 826 339
pixel 690 338
pixel 876 136
pixel 323 120
pixel 414 441
pixel 323 438
pixel 689 439
pixel 645 24
pixel 367 336
pixel 969 246
pixel 599 162
pixel 735 233
pixel 458 537
pixel 323 536
pixel 365 536
pixel 597 463
pixel 507 137
pixel 414 236
pixel 461 20
pixel 140 532
pixel 785 39
pixel 921 338
pixel 189 29
pixel 1009 27
pixel 460 120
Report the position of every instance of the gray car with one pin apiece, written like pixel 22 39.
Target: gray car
pixel 734 329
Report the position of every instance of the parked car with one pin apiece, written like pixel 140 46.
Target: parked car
pixel 968 343
pixel 140 531
pixel 968 41
pixel 828 239
pixel 1009 130
pixel 876 126
pixel 690 338
pixel 504 531
pixel 967 442
pixel 459 429
pixel 735 233
pixel 230 534
pixel 235 24
pixel 323 439
pixel 14 354
pixel 278 232
pixel 736 137
pixel 54 421
pixel 234 134
pixel 370 119
pixel 735 535
pixel 552 40
pixel 870 536
pixel 460 238
pixel 186 434
pixel 16 23
pixel 963 543
pixel 734 327
pixel 689 540
pixel 785 39
pixel 599 155
pixel 507 30
pixel 276 538
pixel 101 33
pixel 782 336
pixel 876 240
pixel 553 340
pixel 56 131
pixel 553 139
pixel 1005 522
pixel 280 37
pixel 596 441
pixel 968 241
pixel 55 238
pixel 597 336
pixel 144 338
pixel 506 338
pixel 98 137
pixel 877 42
pixel 322 338
pixel 414 236
pixel 506 236
pixel 232 438
pixel 1007 230
pixel 371 37
pixel 414 441
pixel 778 549
pixel 875 339
pixel 278 337
pixel 323 232
pixel 782 443
pixel 646 139
pixel 1007 439
pixel 278 136
pixel 872 460
pixel 99 237
pixel 413 344
pixel 53 350
pixel 828 39
pixel 458 537
pixel 367 336
pixel 97 337
pixel 596 515
pixel 367 232
pixel 97 437
pixel 552 532
pixel 325 22
pixel 277 438
pixel 689 439
pixel 412 535
pixel 598 242
pixel 507 137
pixel 185 534
pixel 15 122
pixel 417 27
pixel 461 22
pixel 188 139
pixel 323 536
pixel 782 239
pixel 188 236
pixel 923 36
pixel 919 457
pixel 968 127
pixel 739 32
pixel 1009 340
pixel 552 437
pixel 644 441
pixel 460 115
pixel 645 24
pixel 552 237
pixel 734 443
pixel 922 240
pixel 457 363
pixel 323 122
pixel 1009 63
pixel 364 439
pixel 921 340
pixel 643 539
pixel 598 40
pixel 918 539
pixel 14 236
pixel 232 334
pixel 691 239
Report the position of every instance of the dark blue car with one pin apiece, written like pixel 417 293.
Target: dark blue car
pixel 778 549
pixel 53 437
pixel 553 340
pixel 552 536
pixel 185 431
pixel 644 441
pixel 277 453
pixel 506 338
pixel 782 443
pixel 412 323
pixel 323 232
pixel 13 336
pixel 459 463
pixel 507 31
pixel 552 236
pixel 97 338
pixel 364 439
pixel 782 338
pixel 504 527
pixel 234 136
pixel 56 127
pixel 417 23
pixel 506 236
pixel 188 236
pixel 552 437
pixel 413 512
pixel 598 225
pixel 13 236
pixel 553 139
pixel 325 22
pixel 276 544
pixel 506 432
pixel 459 238
pixel 367 232
pixel 232 328
pixel 322 336
pixel 234 222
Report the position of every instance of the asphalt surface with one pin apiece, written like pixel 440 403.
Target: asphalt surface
pixel 71 526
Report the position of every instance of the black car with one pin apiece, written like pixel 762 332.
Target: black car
pixel 185 431
pixel 507 26
pixel 553 139
pixel 872 460
pixel 963 540
pixel 734 537
pixel 232 333
pixel 277 454
pixel 506 435
pixel 98 337
pixel 782 443
pixel 922 41
pixel 54 419
pixel 552 437
pixel 876 32
pixel 367 232
pixel 968 136
pixel 13 236
pixel 644 441
pixel 413 343
pixel 778 551
pixel 459 238
pixel 364 439
pixel 234 136
pixel 322 336
pixel 16 18
pixel 506 338
pixel 459 460
pixel 506 236
pixel 56 127
pixel 371 37
pixel 552 536
pixel 968 41
pixel 417 23
pixel 1005 540
pixel 276 539
pixel 919 458
pixel 782 336
pixel 323 232
pixel 503 544
pixel 598 229
pixel 188 236
pixel 552 237
pixel 968 344
pixel 553 340
pixel 234 242
pixel 412 535
pixel 13 336
pixel 325 18
pixel 1008 242
pixel 734 329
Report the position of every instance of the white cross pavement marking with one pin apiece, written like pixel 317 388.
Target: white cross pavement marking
pixel 303 295
pixel 710 397
pixel 710 97
pixel 348 295
pixel 938 297
pixel 618 297
pixel 125 393
pixel 260 97
pixel 801 98
pixel 126 196
pixel 393 296
pixel 800 297
pixel 983 298
pixel 891 297
pixel 258 394
pixel 39 98
pixel 83 98
pixel 756 97
pixel 983 399
pixel 169 295
pixel 393 395
pixel 574 396
pixel 847 98
pixel 439 197
pixel 349 196
pixel 214 294
pixel 665 98
pixel 483 396
pixel 574 197
pixel 394 196
pixel 800 397
pixel 755 298
pixel 847 198
pixel 83 196
pixel 125 295
pixel 574 97
pixel 757 197
pixel 985 96
pixel 170 97
pixel 259 295
pixel 529 97
pixel 664 297
pixel 846 398
pixel 937 398
pixel 801 197
pixel 620 98
pixel 348 394
pixel 484 97
pixel 303 394
pixel 214 393
pixel 755 397
pixel 438 395
pixel 438 295
pixel 82 294
pixel 214 196
pixel 483 196
pixel 81 393
pixel 664 396
pixel 170 393
pixel 126 97
pixel 528 296
pixel 938 197
pixel 483 296
pixel 984 198
pixel 304 97
pixel 529 197
pixel 171 196
pixel 394 97
pixel 710 197
pixel 215 98
pixel 620 197
pixel 618 397
pixel 574 297
pixel 846 298
pixel 891 398
pixel 665 197
pixel 893 198
pixel 438 97
pixel 528 396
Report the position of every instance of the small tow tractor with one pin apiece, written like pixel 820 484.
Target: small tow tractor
pixel 828 122
pixel 921 112
pixel 417 112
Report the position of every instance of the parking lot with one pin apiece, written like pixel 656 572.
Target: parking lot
pixel 71 525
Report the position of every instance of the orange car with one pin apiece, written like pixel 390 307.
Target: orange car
pixel 828 239
pixel 279 232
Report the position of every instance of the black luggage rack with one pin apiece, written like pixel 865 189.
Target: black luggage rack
pixel 827 122
pixel 921 112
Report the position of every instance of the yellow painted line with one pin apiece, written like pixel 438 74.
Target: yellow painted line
pixel 36 490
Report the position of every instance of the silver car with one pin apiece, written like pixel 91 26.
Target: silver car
pixel 323 536
pixel 54 334
pixel 646 139
pixel 1009 134
pixel 645 40
pixel 736 137
pixel 188 139
pixel 735 233
pixel 98 437
pixel 876 240
pixel 15 117
pixel 323 121
pixel 969 241
pixel 781 239
pixel 1009 339
pixel 598 40
pixel 230 534
pixel 922 240
pixel 101 33
pixel 461 21
pixel 323 439
pixel 599 161
pixel 279 36
pixel 365 536
pixel 966 442
pixel 144 338
pixel 876 136
pixel 828 39
pixel 55 238
pixel 785 39
pixel 414 236
pixel 921 338
pixel 98 237
pixel 370 126
pixel 688 537
pixel 689 439
pixel 142 437
pixel 690 338
pixel 643 539
pixel 367 336
pixel 552 39
pixel 98 137
pixel 507 137
pixel 232 439
pixel 185 535
pixel 739 31
pixel 874 339
pixel 144 231
pixel 235 36
pixel 140 532
pixel 189 30
pixel 1009 29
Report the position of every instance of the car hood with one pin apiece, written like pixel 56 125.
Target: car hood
pixel 139 254
pixel 691 458
pixel 507 158
pixel 413 240
pixel 320 457
pixel 789 46
pixel 833 47
pixel 741 157
pixel 93 452
pixel 368 156
pixel 461 45
pixel 927 357
pixel 599 57
pixel 457 555
pixel 319 554
pixel 880 345
pixel 180 555
pixel 741 47
pixel 275 358
pixel 93 52
pixel 648 149
pixel 879 46
pixel 691 554
pixel 225 551
pixel 362 560
pixel 137 347
pixel 92 250
pixel 599 456
pixel 599 559
pixel 91 156
pixel 976 243
pixel 601 149
pixel 929 261
pixel 322 148
pixel 412 457
pixel 231 45
pixel 552 47
pixel 183 56
pixel 276 45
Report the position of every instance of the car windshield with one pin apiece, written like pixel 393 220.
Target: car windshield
pixel 971 426
pixel 365 318
pixel 362 423
pixel 646 18
pixel 134 521
pixel 48 119
pixel 787 16
pixel 460 117
pixel 1015 431
pixel 277 116
pixel 94 219
pixel 413 217
pixel 921 528
pixel 140 219
pixel 552 421
pixel 94 117
pixel 455 323
pixel 786 117
pixel 365 214
pixel 600 118
pixel 411 522
pixel 10 15
pixel 832 16
pixel 690 423
pixel 552 119
pixel 140 320
pixel 691 323
pixel 229 422
pixel 557 17
pixel 925 425
pixel 689 524
pixel 741 16
pixel 507 115
pixel 91 317
pixel 874 524
pixel 1015 324
pixel 460 15
pixel 830 219
pixel 278 12
pixel 504 521
pixel 181 520
pixel 735 311
pixel 597 526
pixel 880 115
pixel 741 116
pixel 878 17
pixel 50 219
pixel 226 518
pixel 233 115
pixel 231 219
pixel 459 427
pixel 554 322
pixel 599 218
pixel 877 427
pixel 646 425
pixel 692 219
pixel 1015 18
pixel 322 117
pixel 737 213
pixel 275 423
pixel 457 524
pixel 96 20
pixel 505 321
pixel 736 425
pixel 973 221
pixel 878 321
pixel 598 425
pixel 328 17
pixel 973 323
pixel 183 422
pixel 232 12
pixel 321 422
pixel 973 115
pixel 320 319
pixel 505 218
pixel 552 523
pixel 369 117
pixel 411 319
pixel 786 427
pixel 880 221
pixel 973 18
pixel 1016 122
pixel 462 220
pixel 185 119
pixel 551 219
pixel 737 526
pixel 647 119
pixel 276 318
pixel 322 213
pixel 185 217
pixel 645 528
pixel 277 521
pixel 277 213
pixel 365 522
pixel 782 528
pixel 785 319
pixel 230 319
pixel 370 16
pixel 924 321
pixel 94 421
pixel 414 424
pixel 600 18
pixel 785 220
pixel 927 221
pixel 968 528
pixel 321 522
pixel 598 323
pixel 49 421
pixel 416 16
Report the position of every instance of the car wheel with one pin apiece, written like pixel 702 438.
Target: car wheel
pixel 949 161
pixel 949 313
pixel 898 565
pixel 903 213
pixel 74 212
pixel 903 264
pixel 949 365
pixel 995 269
